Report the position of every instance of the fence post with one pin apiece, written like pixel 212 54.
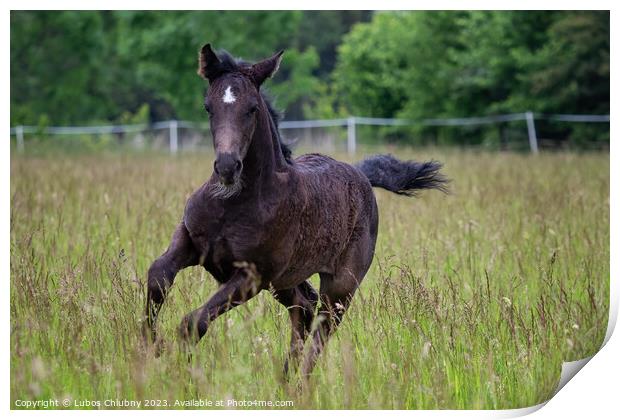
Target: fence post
pixel 351 141
pixel 531 131
pixel 19 136
pixel 174 139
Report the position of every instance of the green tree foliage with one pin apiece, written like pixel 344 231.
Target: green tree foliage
pixel 364 58
pixel 81 67
pixel 451 64
pixel 57 67
pixel 324 29
pixel 161 49
pixel 570 71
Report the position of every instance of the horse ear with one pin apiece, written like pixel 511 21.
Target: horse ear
pixel 208 63
pixel 266 68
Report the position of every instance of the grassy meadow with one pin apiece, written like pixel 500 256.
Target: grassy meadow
pixel 473 301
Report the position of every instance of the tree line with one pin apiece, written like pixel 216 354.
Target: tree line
pixel 79 67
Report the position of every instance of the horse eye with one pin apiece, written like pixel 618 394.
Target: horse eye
pixel 208 109
pixel 252 109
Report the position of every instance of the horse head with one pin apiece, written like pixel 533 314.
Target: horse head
pixel 233 102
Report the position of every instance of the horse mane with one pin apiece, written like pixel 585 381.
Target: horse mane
pixel 229 64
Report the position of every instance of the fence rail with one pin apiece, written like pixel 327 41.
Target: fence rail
pixel 350 123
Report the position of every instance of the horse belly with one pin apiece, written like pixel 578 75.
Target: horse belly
pixel 339 207
pixel 321 240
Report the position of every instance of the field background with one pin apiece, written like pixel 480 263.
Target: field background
pixel 474 299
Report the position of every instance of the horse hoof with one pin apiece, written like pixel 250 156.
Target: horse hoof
pixel 186 329
pixel 186 349
pixel 159 347
pixel 148 333
pixel 192 329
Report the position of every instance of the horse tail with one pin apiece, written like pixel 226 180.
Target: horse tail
pixel 403 177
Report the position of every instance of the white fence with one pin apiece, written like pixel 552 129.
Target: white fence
pixel 350 123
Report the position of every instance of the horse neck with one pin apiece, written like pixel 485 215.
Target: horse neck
pixel 264 157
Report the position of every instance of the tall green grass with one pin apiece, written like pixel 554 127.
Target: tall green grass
pixel 473 301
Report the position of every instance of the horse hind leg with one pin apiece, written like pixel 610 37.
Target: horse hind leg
pixel 331 311
pixel 300 302
pixel 336 293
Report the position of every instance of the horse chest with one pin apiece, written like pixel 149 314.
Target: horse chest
pixel 224 237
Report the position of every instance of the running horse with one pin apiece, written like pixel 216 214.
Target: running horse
pixel 264 221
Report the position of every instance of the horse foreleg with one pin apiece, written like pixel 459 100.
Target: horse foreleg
pixel 301 303
pixel 180 254
pixel 242 286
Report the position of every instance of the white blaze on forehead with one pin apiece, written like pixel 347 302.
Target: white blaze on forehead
pixel 228 97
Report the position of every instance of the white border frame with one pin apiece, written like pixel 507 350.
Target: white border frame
pixel 594 392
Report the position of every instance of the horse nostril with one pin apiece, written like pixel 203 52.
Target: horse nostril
pixel 227 167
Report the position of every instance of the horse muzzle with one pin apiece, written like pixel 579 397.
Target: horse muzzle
pixel 228 167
